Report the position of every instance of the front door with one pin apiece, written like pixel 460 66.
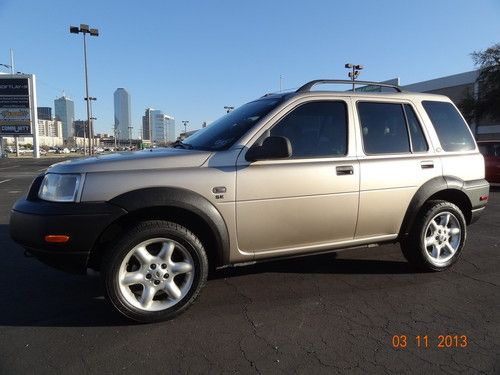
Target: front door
pixel 309 199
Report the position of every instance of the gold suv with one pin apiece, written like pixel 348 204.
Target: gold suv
pixel 288 174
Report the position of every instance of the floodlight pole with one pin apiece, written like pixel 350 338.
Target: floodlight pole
pixel 185 123
pixel 85 29
pixel 356 68
pixel 87 92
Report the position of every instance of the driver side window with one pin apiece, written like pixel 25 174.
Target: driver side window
pixel 316 129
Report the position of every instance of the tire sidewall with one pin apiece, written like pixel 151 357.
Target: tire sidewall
pixel 112 264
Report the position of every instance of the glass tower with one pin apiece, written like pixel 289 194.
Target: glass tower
pixel 64 109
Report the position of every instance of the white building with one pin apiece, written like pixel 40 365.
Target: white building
pixel 162 127
pixel 123 114
pixel 50 128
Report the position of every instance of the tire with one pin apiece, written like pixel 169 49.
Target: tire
pixel 155 271
pixel 437 237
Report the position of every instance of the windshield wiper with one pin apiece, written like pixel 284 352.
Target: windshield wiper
pixel 182 145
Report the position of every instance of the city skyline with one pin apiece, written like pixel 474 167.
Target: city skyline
pixel 208 58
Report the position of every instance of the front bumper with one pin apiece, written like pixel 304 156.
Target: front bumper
pixel 32 220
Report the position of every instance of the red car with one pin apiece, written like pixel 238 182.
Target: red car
pixel 491 153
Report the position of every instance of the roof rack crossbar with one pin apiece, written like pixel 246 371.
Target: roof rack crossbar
pixel 309 85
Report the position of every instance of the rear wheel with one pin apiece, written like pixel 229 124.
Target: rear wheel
pixel 437 237
pixel 155 272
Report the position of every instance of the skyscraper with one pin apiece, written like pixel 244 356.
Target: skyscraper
pixel 123 117
pixel 146 125
pixel 64 109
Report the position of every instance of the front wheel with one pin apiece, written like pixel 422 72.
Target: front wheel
pixel 437 237
pixel 155 272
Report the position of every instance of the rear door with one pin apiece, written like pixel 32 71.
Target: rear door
pixel 396 159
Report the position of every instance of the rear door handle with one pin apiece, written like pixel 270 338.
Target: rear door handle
pixel 427 164
pixel 344 170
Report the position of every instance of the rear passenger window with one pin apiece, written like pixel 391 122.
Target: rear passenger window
pixel 452 131
pixel 418 142
pixel 384 128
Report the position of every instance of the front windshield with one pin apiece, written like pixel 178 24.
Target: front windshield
pixel 224 132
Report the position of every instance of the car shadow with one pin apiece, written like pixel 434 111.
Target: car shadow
pixel 38 296
pixel 321 264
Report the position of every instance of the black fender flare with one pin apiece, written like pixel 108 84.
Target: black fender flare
pixel 180 198
pixel 428 189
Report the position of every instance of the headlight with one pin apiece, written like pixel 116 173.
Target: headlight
pixel 60 187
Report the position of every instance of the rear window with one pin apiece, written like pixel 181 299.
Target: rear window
pixel 453 132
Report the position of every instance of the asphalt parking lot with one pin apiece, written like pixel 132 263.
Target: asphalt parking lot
pixel 322 314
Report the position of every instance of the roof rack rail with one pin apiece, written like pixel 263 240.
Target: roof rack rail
pixel 309 85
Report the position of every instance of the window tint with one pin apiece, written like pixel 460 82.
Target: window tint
pixel 418 142
pixel 452 131
pixel 384 128
pixel 315 129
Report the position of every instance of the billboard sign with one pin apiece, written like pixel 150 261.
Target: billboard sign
pixel 16 104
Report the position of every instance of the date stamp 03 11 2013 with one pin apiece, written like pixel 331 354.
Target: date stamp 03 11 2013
pixel 442 342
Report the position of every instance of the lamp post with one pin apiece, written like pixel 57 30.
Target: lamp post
pixel 91 124
pixel 228 108
pixel 85 29
pixel 355 72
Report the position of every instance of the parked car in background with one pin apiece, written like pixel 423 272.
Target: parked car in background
pixel 491 153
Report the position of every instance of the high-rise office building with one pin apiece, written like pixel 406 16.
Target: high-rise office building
pixel 44 113
pixel 64 109
pixel 123 117
pixel 170 127
pixel 146 125
pixel 162 127
pixel 81 128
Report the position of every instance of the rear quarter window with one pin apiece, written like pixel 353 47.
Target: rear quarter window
pixel 452 131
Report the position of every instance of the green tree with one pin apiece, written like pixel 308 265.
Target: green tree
pixel 487 103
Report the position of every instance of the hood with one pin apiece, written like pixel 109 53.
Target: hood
pixel 160 158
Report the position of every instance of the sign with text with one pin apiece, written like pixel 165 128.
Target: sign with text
pixel 15 106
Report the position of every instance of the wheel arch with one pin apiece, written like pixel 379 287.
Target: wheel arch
pixel 439 188
pixel 179 205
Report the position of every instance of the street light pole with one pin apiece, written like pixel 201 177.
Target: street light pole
pixel 355 72
pixel 185 123
pixel 85 29
pixel 90 124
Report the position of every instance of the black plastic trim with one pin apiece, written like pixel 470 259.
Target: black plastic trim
pixel 31 221
pixel 472 189
pixel 184 199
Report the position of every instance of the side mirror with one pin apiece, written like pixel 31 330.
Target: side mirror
pixel 272 148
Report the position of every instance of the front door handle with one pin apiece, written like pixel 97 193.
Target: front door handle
pixel 427 164
pixel 343 170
